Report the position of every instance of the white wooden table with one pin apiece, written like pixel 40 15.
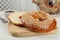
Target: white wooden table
pixel 5 35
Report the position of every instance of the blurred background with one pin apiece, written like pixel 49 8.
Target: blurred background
pixel 18 5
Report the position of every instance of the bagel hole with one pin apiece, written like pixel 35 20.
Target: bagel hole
pixel 40 19
pixel 20 17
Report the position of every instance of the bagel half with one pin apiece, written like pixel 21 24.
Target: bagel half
pixel 14 18
pixel 38 21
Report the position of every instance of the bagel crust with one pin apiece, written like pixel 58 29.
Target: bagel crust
pixel 38 21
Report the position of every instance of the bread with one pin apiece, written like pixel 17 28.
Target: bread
pixel 19 31
pixel 47 6
pixel 14 18
pixel 38 21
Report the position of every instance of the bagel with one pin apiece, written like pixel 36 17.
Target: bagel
pixel 48 6
pixel 14 18
pixel 38 21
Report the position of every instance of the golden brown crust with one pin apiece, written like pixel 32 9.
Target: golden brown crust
pixel 36 14
pixel 35 24
pixel 37 29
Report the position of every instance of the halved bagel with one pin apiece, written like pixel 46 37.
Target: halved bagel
pixel 38 21
pixel 14 17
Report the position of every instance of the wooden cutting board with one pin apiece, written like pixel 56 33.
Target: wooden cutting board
pixel 20 31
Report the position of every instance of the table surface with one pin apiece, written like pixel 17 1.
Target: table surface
pixel 5 35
